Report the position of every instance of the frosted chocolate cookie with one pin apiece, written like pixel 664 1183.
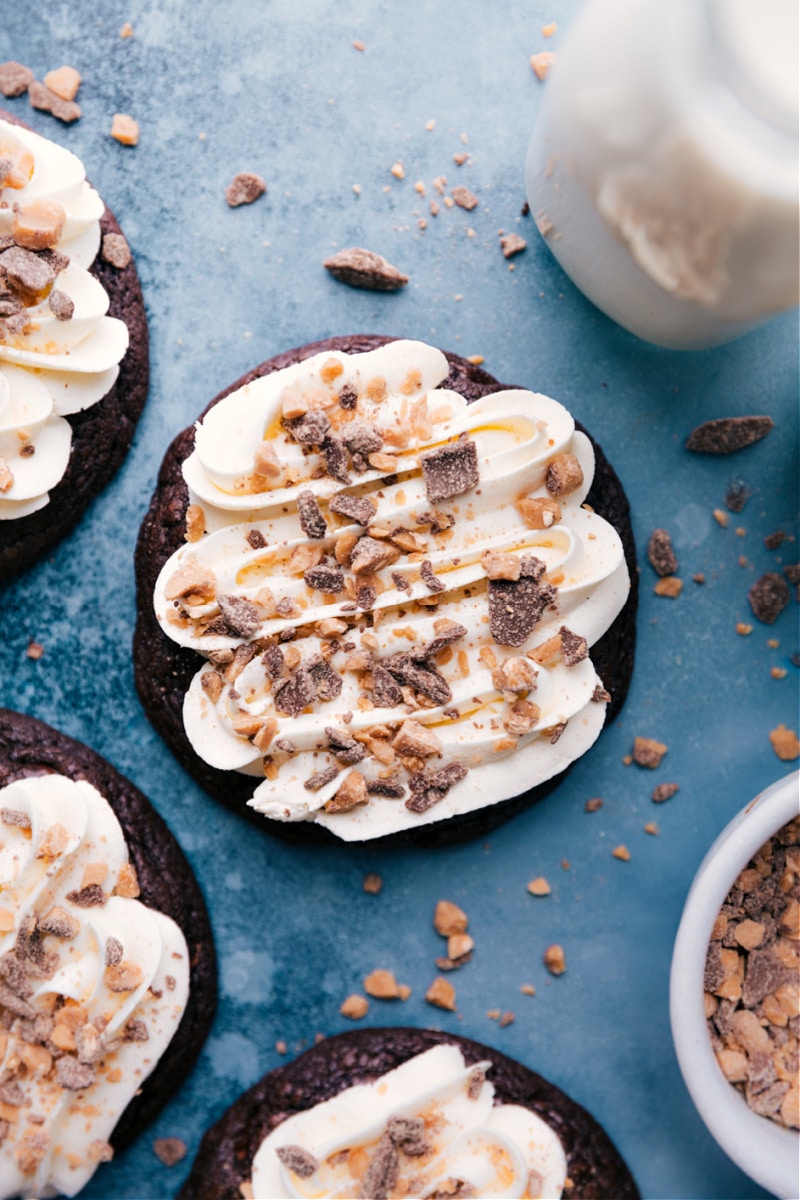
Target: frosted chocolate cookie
pixel 107 966
pixel 380 595
pixel 73 345
pixel 387 1113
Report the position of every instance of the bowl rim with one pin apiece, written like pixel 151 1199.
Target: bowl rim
pixel 765 1151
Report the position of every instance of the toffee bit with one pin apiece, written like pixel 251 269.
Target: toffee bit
pixel 382 1173
pixel 386 692
pixel 325 578
pixel 511 244
pixel 348 397
pixel 73 1075
pixel 356 508
pixel 170 1150
pixel 299 1161
pixel 14 816
pixel 574 648
pixel 409 1135
pixel 464 198
pixel 429 578
pixel 400 582
pixel 295 694
pixel 115 250
pixel 335 456
pixel 450 470
pixel 88 897
pixel 392 789
pixel 244 188
pixel 361 268
pixel 728 434
pixel 15 79
pixel 312 522
pixel 768 597
pixel 239 615
pixel 600 695
pixel 664 791
pixel 647 752
pixel 516 607
pixel 661 553
pixel 475 1082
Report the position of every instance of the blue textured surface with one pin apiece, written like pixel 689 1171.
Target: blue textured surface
pixel 278 88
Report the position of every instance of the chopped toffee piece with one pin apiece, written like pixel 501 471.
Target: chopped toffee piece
pixel 768 597
pixel 240 615
pixel 451 470
pixel 170 1150
pixel 295 693
pixel 362 269
pixel 356 508
pixel 320 778
pixel 299 1161
pixel 661 554
pixel 325 578
pixel 647 752
pixel 336 459
pixel 664 791
pixel 574 648
pixel 728 434
pixel 244 188
pixel 327 682
pixel 564 475
pixel 312 522
pixel 516 607
pixel 429 578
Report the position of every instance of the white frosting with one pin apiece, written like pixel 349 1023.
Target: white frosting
pixel 495 1149
pixel 51 830
pixel 516 434
pixel 54 367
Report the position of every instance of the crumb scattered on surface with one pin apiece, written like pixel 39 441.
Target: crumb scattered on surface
pixel 539 886
pixel 622 853
pixel 124 129
pixel 448 918
pixel 664 791
pixel 382 985
pixel 652 828
pixel 35 650
pixel 728 434
pixel 355 1007
pixel 768 597
pixel 361 268
pixel 441 994
pixel 528 989
pixel 661 553
pixel 372 883
pixel 64 82
pixel 555 959
pixel 126 31
pixel 15 78
pixel 170 1150
pixel 115 250
pixel 464 198
pixel 511 244
pixel 721 517
pixel 670 586
pixel 593 805
pixel 244 188
pixel 647 752
pixel 541 63
pixel 785 743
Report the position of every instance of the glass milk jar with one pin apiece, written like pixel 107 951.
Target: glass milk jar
pixel 663 170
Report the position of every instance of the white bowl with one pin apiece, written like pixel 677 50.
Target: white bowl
pixel 765 1151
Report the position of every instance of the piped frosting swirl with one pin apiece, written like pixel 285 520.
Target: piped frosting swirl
pixel 428 1128
pixel 93 984
pixel 395 591
pixel 59 349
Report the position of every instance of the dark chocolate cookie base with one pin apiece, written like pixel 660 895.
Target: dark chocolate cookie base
pixel 226 1153
pixel 101 434
pixel 163 670
pixel 29 747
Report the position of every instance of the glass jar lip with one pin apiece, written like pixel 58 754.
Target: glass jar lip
pixel 747 43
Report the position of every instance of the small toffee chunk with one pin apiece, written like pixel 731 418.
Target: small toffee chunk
pixel 325 578
pixel 361 268
pixel 295 693
pixel 728 434
pixel 299 1161
pixel 240 615
pixel 428 577
pixel 327 683
pixel 312 521
pixel 356 508
pixel 244 188
pixel 336 459
pixel 574 648
pixel 312 428
pixel 451 470
pixel 409 1135
pixel 768 597
pixel 320 778
pixel 427 790
pixel 386 692
pixel 661 554
pixel 516 606
pixel 382 1173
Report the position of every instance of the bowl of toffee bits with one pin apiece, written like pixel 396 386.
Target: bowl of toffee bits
pixel 735 989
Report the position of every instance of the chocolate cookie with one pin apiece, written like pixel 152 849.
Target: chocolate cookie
pixel 164 670
pixel 166 884
pixel 101 433
pixel 226 1153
